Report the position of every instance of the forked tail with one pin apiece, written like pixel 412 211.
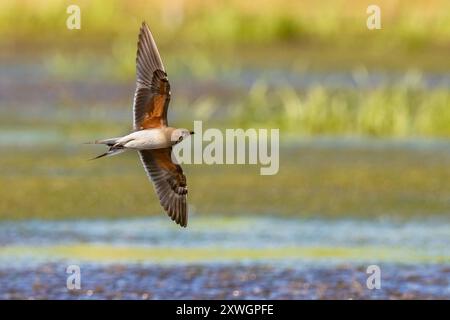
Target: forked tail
pixel 111 152
pixel 109 142
pixel 114 148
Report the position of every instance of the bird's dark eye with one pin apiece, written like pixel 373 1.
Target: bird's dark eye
pixel 180 139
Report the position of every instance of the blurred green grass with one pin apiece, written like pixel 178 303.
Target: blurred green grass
pixel 413 23
pixel 125 254
pixel 332 182
pixel 200 41
pixel 414 32
pixel 398 110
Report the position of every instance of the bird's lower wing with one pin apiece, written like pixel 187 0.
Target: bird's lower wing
pixel 169 182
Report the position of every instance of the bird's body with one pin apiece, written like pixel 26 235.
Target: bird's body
pixel 147 139
pixel 152 137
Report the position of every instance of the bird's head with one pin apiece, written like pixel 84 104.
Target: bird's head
pixel 179 134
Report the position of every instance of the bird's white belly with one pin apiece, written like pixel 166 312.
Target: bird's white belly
pixel 146 139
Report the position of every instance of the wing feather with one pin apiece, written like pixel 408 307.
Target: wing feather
pixel 152 95
pixel 169 182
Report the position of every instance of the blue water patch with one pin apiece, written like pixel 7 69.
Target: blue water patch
pixel 264 238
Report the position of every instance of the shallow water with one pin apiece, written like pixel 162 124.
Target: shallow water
pixel 225 258
pixel 260 239
pixel 225 281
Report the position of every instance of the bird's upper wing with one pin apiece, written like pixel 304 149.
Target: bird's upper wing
pixel 169 182
pixel 152 95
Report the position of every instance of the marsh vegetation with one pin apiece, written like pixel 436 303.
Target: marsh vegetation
pixel 364 161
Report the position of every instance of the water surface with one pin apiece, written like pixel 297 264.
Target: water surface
pixel 225 258
pixel 227 239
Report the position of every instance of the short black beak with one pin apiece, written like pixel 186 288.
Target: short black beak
pixel 192 132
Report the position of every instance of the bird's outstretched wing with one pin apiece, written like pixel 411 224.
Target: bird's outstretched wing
pixel 152 95
pixel 169 182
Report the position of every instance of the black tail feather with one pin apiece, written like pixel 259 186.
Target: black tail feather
pixel 100 156
pixel 112 151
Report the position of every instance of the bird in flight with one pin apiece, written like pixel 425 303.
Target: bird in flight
pixel 152 137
